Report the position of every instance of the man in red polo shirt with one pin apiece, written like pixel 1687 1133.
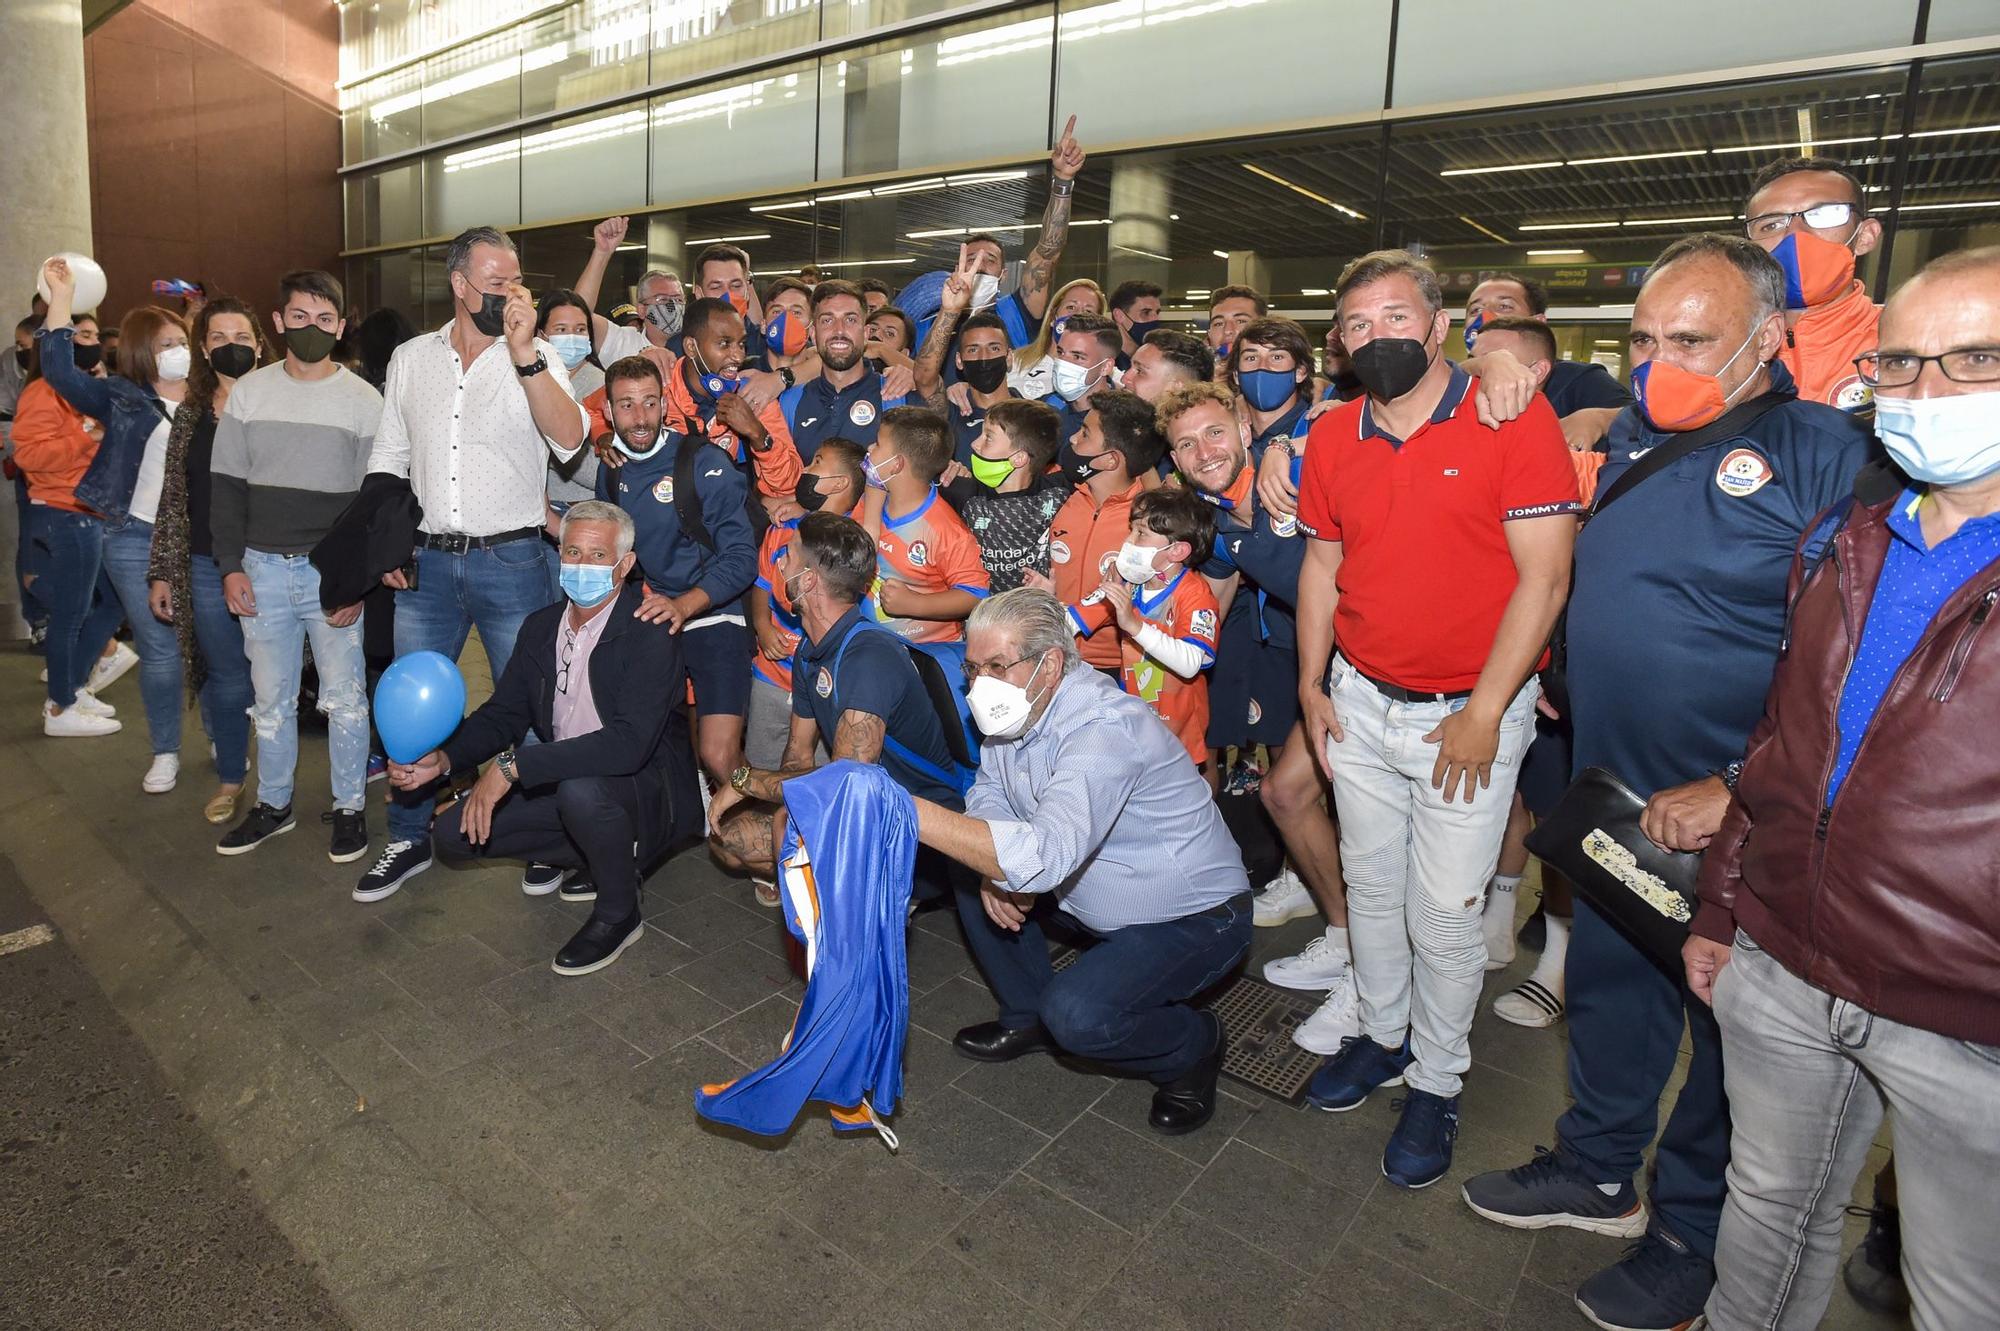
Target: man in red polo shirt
pixel 1440 560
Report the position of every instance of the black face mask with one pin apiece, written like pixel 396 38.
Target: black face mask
pixel 313 344
pixel 233 360
pixel 21 357
pixel 1075 465
pixel 490 318
pixel 87 357
pixel 984 376
pixel 807 493
pixel 1389 367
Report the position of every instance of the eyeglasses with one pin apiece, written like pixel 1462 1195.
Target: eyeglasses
pixel 974 669
pixel 1899 369
pixel 1821 216
pixel 568 651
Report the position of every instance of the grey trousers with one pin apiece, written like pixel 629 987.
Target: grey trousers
pixel 1809 1078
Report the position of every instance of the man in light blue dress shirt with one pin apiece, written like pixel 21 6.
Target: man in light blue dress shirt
pixel 1087 803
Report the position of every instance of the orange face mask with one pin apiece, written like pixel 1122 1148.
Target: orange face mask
pixel 1674 399
pixel 1816 269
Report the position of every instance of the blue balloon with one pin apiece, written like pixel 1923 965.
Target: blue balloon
pixel 418 703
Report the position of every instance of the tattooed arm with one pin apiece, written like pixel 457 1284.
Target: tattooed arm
pixel 1064 164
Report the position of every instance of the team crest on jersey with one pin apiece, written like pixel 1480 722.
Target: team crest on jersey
pixel 1058 552
pixel 1203 624
pixel 1256 712
pixel 1742 473
pixel 1850 394
pixel 823 683
pixel 862 412
pixel 1107 563
pixel 663 489
pixel 920 555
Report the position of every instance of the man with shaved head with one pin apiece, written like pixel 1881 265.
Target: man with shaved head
pixel 1714 477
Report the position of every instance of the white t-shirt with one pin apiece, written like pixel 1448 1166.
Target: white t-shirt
pixel 152 473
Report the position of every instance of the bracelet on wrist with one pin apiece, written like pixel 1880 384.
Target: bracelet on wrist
pixel 1062 186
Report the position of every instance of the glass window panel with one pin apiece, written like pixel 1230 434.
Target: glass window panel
pixel 478 185
pixel 1951 19
pixel 587 52
pixel 1271 56
pixel 472 88
pixel 960 94
pixel 393 281
pixel 1452 50
pixel 1951 186
pixel 589 164
pixel 384 207
pixel 749 135
pixel 383 115
pixel 844 18
pixel 693 36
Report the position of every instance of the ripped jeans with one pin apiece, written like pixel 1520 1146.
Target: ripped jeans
pixel 1417 869
pixel 288 613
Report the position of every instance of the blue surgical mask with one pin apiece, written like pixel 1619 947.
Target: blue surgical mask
pixel 574 348
pixel 588 584
pixel 1941 440
pixel 1267 390
pixel 1472 327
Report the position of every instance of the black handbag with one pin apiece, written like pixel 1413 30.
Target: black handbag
pixel 1592 838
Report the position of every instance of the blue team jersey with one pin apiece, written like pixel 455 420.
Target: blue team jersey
pixel 670 559
pixel 817 411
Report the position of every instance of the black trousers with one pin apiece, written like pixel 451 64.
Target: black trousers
pixel 588 822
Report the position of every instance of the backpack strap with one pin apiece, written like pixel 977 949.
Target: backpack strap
pixel 687 495
pixel 959 780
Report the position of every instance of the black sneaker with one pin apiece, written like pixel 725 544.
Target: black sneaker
pixel 1874 1271
pixel 538 880
pixel 578 887
pixel 258 826
pixel 597 945
pixel 1660 1284
pixel 401 860
pixel 1551 1191
pixel 350 835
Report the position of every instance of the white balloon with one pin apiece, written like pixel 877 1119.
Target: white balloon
pixel 89 279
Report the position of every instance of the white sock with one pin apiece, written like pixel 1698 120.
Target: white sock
pixel 1549 970
pixel 1497 923
pixel 1337 935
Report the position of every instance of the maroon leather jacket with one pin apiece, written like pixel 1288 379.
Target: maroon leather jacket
pixel 1890 898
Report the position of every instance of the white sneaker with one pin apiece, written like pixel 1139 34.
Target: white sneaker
pixel 111 668
pixel 91 705
pixel 1320 966
pixel 71 723
pixel 1337 1019
pixel 1283 898
pixel 162 775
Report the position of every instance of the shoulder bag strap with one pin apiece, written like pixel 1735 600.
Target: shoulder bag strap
pixel 1728 426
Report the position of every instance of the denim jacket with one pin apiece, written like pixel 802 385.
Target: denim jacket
pixel 124 409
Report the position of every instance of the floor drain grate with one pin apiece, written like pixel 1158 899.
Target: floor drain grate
pixel 1260 1019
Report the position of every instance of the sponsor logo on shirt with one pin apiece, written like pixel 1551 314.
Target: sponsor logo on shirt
pixel 1256 712
pixel 920 554
pixel 862 412
pixel 716 472
pixel 663 489
pixel 804 421
pixel 1742 473
pixel 1203 624
pixel 823 683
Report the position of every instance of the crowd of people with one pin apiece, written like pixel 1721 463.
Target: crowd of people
pixel 1073 577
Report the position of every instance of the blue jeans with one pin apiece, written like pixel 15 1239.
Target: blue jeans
pixel 29 557
pixel 1124 1001
pixel 1625 1019
pixel 128 550
pixel 83 607
pixel 493 590
pixel 226 693
pixel 288 612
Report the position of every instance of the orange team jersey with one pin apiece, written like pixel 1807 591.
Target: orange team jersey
pixel 1185 609
pixel 597 406
pixel 1083 545
pixel 1587 463
pixel 932 550
pixel 1821 346
pixel 778 467
pixel 773 583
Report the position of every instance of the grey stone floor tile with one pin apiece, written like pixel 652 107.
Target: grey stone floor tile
pixel 953 1005
pixel 1190 1276
pixel 1041 1246
pixel 656 955
pixel 1284 1211
pixel 568 1059
pixel 481 1295
pixel 531 936
pixel 1045 1092
pixel 371 1065
pixel 659 1014
pixel 1359 1293
pixel 1564 1258
pixel 457 1144
pixel 709 924
pixel 1433 1233
pixel 778 1275
pixel 944 1292
pixel 616 1250
pixel 455 966
pixel 348 945
pixel 1127 1178
pixel 1501 1105
pixel 537 995
pixel 449 1033
pixel 740 975
pixel 755 1035
pixel 1538 1056
pixel 1342 1149
pixel 930 1064
pixel 1130 1099
pixel 883 1213
pixel 1536 1307
pixel 966 1143
pixel 351 1005
pixel 934 957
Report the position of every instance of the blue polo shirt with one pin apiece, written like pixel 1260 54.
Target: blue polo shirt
pixel 1291 425
pixel 874 674
pixel 1578 385
pixel 966 425
pixel 1072 417
pixel 1917 579
pixel 816 411
pixel 670 559
pixel 1680 598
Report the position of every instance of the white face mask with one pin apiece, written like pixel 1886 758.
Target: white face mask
pixel 1941 440
pixel 1000 709
pixel 1135 562
pixel 985 290
pixel 1072 381
pixel 172 365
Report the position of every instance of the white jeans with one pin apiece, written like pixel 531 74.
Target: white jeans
pixel 1417 869
pixel 1809 1077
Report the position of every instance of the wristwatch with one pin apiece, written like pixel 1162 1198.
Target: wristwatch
pixel 739 779
pixel 529 371
pixel 1061 187
pixel 785 373
pixel 1730 773
pixel 505 762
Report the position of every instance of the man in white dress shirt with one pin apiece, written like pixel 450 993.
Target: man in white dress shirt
pixel 470 414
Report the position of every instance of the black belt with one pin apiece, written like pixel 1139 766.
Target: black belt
pixel 1397 693
pixel 457 543
pixel 1241 901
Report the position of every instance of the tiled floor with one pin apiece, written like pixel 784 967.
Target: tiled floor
pixel 456 1137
